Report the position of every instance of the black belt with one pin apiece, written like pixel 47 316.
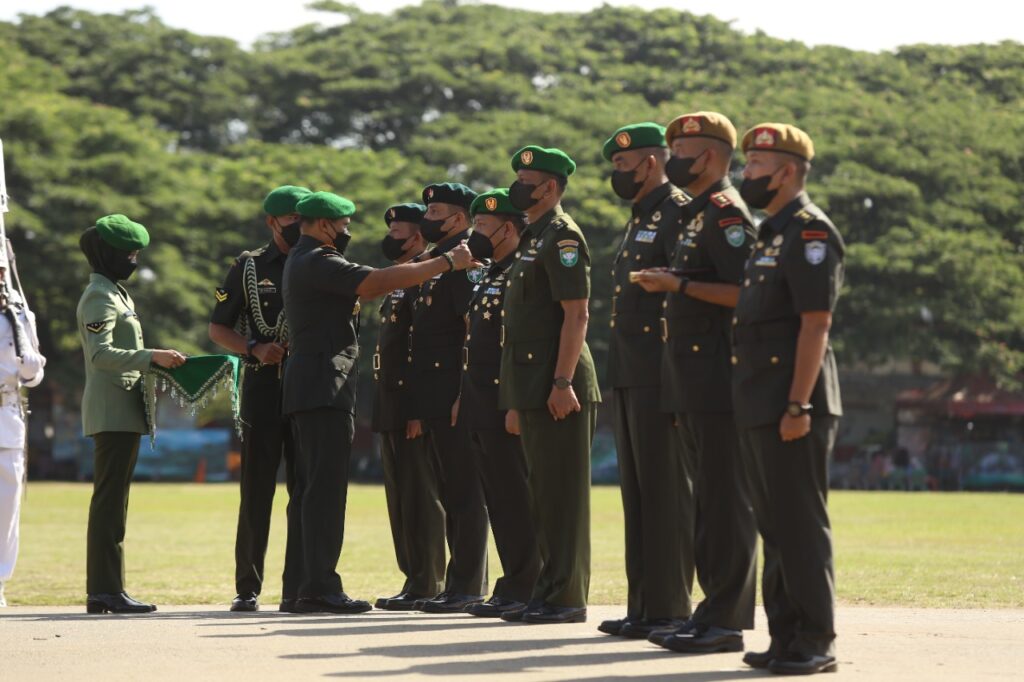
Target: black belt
pixel 767 331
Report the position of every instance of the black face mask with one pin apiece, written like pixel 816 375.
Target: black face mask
pixel 433 230
pixel 678 170
pixel 480 246
pixel 113 263
pixel 519 195
pixel 756 193
pixel 290 233
pixel 624 183
pixel 392 247
pixel 341 241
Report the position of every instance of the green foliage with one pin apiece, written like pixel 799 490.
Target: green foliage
pixel 919 156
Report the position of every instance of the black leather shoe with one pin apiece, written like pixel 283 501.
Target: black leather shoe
pixel 400 602
pixel 246 601
pixel 706 639
pixel 287 605
pixel 612 627
pixel 799 664
pixel 418 604
pixel 642 629
pixel 452 603
pixel 331 603
pixel 116 603
pixel 760 659
pixel 516 615
pixel 494 607
pixel 549 614
pixel 659 636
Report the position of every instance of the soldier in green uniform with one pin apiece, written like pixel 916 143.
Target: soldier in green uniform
pixel 499 454
pixel 113 407
pixel 703 288
pixel 786 396
pixel 656 491
pixel 436 335
pixel 410 478
pixel 548 383
pixel 321 301
pixel 248 319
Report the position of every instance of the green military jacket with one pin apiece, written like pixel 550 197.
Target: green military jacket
pixel 634 347
pixel 713 248
pixel 114 359
pixel 796 267
pixel 552 265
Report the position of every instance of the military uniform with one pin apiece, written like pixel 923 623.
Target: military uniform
pixel 436 336
pixel 113 409
pixel 410 477
pixel 20 365
pixel 552 265
pixel 796 267
pixel 656 498
pixel 321 305
pixel 498 453
pixel 250 301
pixel 714 247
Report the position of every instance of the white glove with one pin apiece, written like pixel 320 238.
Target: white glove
pixel 32 364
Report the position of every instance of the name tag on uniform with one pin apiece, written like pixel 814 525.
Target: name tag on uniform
pixel 527 259
pixel 646 236
pixel 766 262
pixel 397 294
pixel 492 290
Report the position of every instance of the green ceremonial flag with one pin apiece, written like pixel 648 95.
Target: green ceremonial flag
pixel 193 385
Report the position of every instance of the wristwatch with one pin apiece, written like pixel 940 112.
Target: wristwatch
pixel 562 383
pixel 798 409
pixel 683 281
pixel 252 343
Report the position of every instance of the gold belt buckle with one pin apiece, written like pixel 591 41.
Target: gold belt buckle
pixel 465 357
pixel 664 330
pixel 376 361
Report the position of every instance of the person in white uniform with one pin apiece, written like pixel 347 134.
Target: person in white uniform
pixel 21 364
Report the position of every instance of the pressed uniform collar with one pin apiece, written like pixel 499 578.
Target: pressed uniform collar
pixel 446 245
pixel 698 203
pixel 537 229
pixel 778 222
pixel 652 199
pixel 270 252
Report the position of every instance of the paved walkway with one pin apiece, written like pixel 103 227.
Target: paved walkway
pixel 192 643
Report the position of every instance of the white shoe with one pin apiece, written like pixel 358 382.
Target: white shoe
pixel 3 602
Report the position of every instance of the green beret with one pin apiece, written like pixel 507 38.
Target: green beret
pixel 494 201
pixel 405 213
pixel 634 136
pixel 282 200
pixel 449 193
pixel 122 233
pixel 324 205
pixel 553 161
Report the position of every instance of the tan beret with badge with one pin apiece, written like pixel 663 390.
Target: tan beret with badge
pixel 702 124
pixel 779 137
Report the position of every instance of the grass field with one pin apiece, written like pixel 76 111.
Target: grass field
pixel 903 549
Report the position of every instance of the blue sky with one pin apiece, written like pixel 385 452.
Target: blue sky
pixel 859 24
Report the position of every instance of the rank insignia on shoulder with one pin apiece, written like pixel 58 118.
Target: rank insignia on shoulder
pixel 813 235
pixel 804 215
pixel 221 294
pixel 680 199
pixel 721 200
pixel 568 252
pixel 96 327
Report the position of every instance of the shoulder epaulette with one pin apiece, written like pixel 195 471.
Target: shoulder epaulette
pixel 721 200
pixel 805 216
pixel 680 198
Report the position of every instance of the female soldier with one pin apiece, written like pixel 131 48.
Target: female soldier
pixel 113 409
